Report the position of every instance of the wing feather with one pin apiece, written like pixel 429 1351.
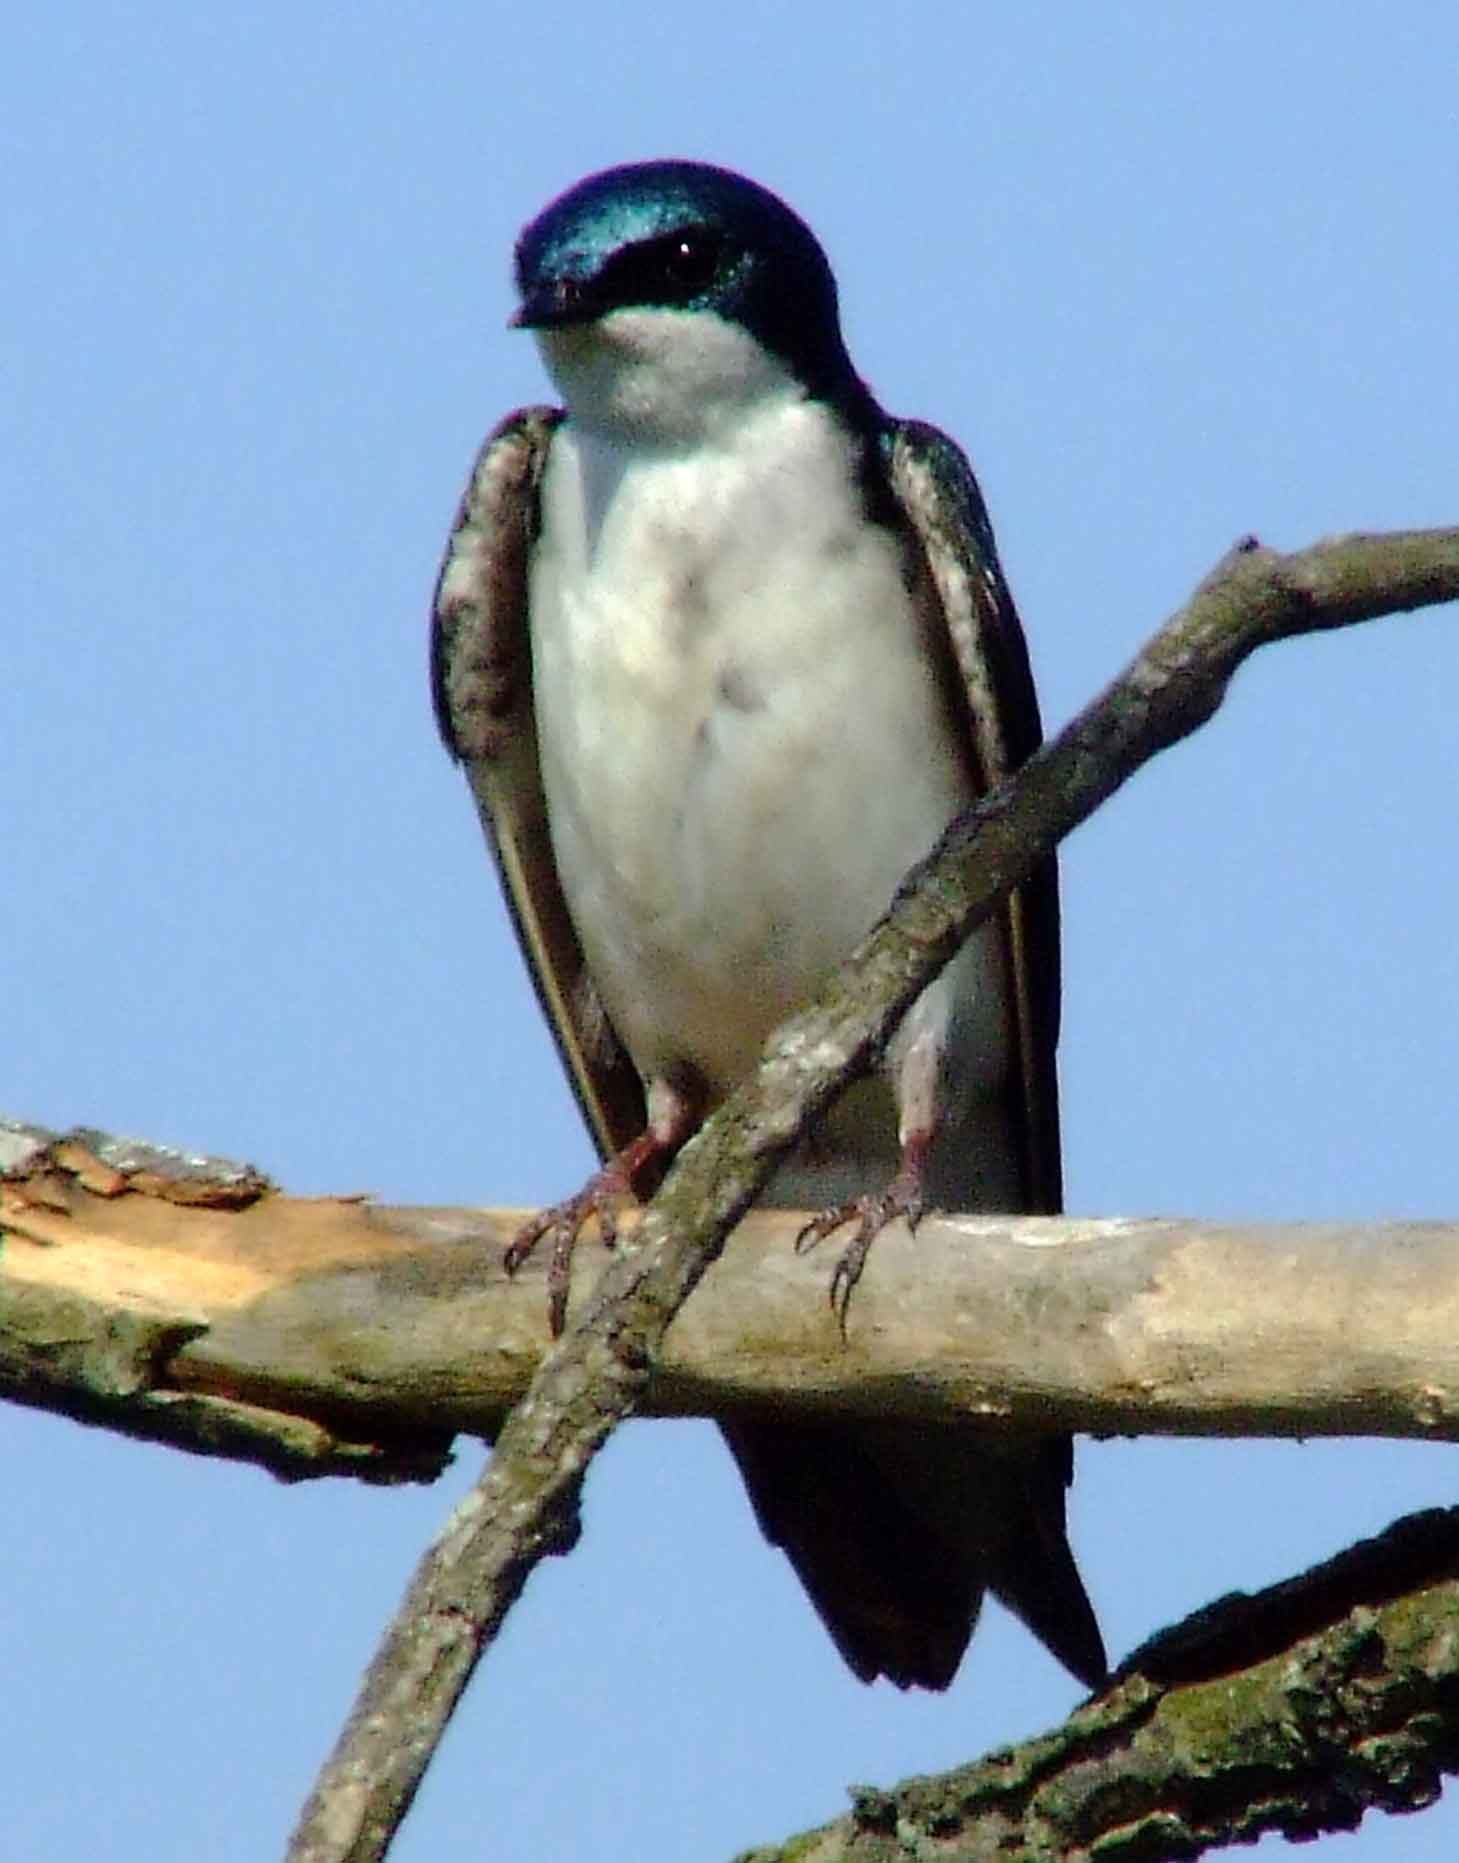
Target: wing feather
pixel 934 485
pixel 481 682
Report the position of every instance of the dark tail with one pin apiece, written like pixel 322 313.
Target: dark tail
pixel 897 1529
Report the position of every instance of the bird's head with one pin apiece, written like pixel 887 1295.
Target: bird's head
pixel 667 295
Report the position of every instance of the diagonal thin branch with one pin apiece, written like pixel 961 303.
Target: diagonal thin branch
pixel 525 1504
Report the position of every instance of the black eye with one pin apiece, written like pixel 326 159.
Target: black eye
pixel 671 269
pixel 690 260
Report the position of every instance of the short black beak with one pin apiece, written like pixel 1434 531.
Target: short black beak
pixel 551 306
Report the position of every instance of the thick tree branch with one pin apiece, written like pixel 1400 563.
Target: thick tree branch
pixel 1296 1710
pixel 331 1336
pixel 136 1281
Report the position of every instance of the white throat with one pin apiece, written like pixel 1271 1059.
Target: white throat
pixel 663 378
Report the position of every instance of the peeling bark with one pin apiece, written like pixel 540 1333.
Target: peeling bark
pixel 331 1336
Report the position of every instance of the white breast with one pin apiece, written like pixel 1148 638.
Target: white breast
pixel 743 744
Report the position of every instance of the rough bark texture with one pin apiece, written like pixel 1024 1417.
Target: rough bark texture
pixel 189 1301
pixel 1296 1711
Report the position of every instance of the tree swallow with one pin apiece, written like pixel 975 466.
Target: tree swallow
pixel 723 648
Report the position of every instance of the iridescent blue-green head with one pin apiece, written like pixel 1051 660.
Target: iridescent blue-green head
pixel 653 258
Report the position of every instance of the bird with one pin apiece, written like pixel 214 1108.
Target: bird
pixel 722 648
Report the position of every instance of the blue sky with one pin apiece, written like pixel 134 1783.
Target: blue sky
pixel 1171 277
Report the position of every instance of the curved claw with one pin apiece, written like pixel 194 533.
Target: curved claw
pixel 871 1213
pixel 525 1240
pixel 562 1224
pixel 848 1271
pixel 824 1223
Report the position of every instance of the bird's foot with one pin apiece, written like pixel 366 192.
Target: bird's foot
pixel 671 1119
pixel 561 1224
pixel 871 1213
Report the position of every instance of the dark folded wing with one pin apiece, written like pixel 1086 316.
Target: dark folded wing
pixel 1027 1562
pixel 933 484
pixel 481 681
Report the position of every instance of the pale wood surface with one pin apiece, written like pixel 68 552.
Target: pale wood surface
pixel 345 1334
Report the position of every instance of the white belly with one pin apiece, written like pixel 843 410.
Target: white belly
pixel 743 744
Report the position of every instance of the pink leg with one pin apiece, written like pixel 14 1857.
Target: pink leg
pixel 871 1212
pixel 919 1098
pixel 672 1116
